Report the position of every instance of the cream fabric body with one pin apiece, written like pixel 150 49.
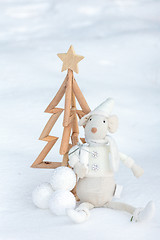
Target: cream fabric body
pixel 97 191
pixel 98 186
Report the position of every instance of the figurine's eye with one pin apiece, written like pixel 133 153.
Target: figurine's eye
pixel 90 119
pixel 104 121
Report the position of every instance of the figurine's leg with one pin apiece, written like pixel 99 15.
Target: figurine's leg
pixel 80 214
pixel 120 206
pixel 138 214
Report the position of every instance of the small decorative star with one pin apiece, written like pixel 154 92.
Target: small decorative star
pixel 95 167
pixel 70 60
pixel 95 154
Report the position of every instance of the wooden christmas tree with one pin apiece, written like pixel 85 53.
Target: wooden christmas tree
pixel 70 122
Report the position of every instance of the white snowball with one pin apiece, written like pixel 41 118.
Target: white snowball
pixel 63 178
pixel 60 201
pixel 41 195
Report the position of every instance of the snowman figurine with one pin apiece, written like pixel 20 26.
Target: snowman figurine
pixel 95 163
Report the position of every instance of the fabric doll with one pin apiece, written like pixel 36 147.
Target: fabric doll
pixel 95 163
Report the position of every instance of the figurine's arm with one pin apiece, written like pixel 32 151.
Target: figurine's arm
pixel 129 162
pixel 74 161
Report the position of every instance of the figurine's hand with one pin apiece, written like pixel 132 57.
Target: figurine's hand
pixel 80 170
pixel 73 160
pixel 73 156
pixel 137 170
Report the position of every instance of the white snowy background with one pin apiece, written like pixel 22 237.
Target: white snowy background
pixel 120 40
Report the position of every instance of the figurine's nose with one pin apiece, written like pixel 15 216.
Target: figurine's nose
pixel 94 130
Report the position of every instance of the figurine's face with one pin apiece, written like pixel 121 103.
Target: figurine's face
pixel 96 127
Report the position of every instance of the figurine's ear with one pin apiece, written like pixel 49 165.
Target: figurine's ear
pixel 112 123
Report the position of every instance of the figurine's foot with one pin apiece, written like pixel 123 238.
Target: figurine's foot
pixel 144 214
pixel 78 216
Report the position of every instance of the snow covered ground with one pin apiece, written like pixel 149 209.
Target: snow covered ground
pixel 120 40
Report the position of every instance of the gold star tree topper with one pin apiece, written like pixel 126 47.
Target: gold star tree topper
pixel 70 60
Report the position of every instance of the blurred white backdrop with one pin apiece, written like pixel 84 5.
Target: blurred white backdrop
pixel 120 40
